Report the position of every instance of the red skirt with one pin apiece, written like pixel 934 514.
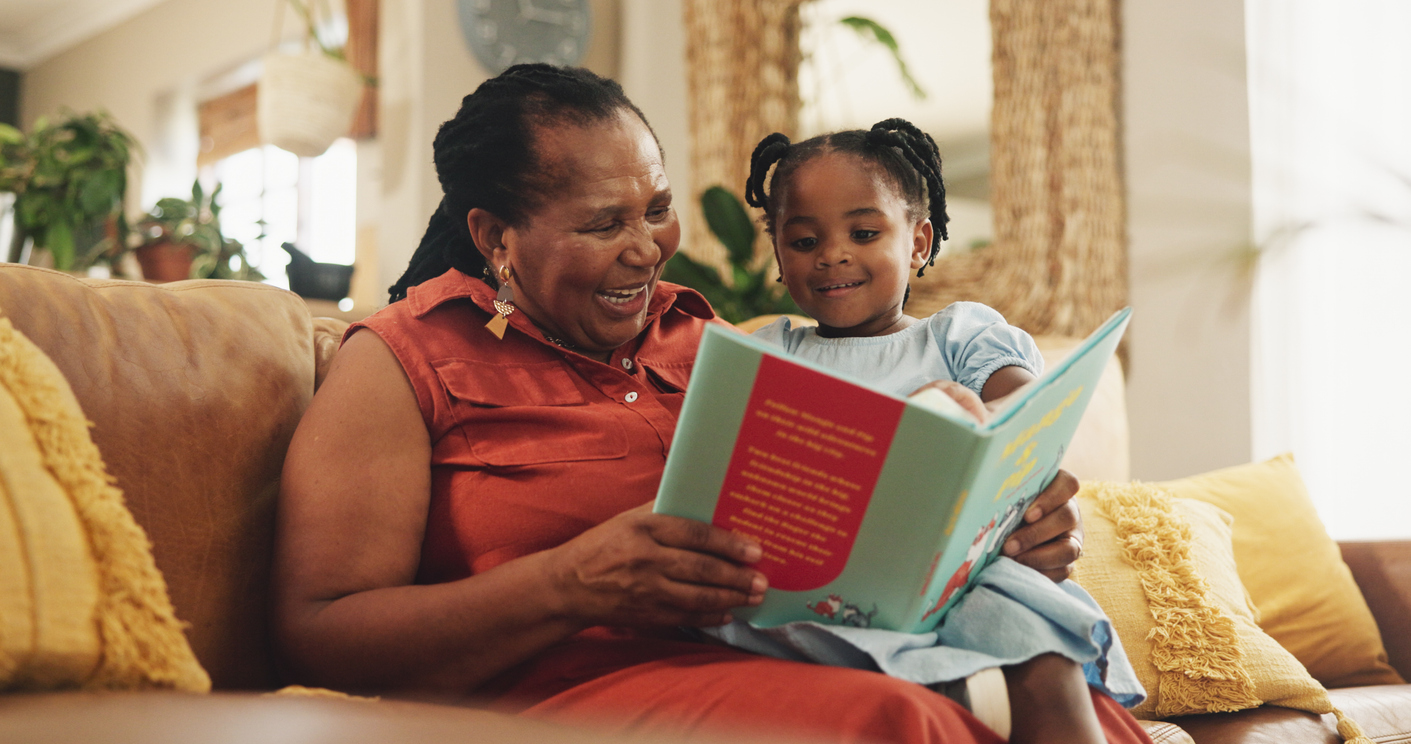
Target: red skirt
pixel 679 688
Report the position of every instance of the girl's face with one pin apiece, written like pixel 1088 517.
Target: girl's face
pixel 845 246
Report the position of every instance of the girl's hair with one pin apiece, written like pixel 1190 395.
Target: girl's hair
pixel 905 155
pixel 485 157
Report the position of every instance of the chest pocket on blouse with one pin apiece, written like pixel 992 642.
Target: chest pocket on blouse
pixel 528 414
pixel 668 377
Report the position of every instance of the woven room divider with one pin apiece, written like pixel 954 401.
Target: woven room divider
pixel 1059 261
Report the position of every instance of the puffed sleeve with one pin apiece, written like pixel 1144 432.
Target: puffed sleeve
pixel 975 341
pixel 780 333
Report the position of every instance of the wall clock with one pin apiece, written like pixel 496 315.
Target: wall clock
pixel 507 32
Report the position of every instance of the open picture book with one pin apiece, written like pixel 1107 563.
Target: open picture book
pixel 873 510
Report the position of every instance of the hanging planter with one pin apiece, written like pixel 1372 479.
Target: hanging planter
pixel 306 100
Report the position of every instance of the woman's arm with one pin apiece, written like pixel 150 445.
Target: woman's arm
pixel 352 514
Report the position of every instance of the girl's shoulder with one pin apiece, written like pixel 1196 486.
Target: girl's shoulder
pixel 788 331
pixel 964 318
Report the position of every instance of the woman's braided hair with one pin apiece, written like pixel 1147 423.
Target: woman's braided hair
pixel 485 157
pixel 906 155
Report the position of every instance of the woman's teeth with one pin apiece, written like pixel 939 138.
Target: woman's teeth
pixel 621 296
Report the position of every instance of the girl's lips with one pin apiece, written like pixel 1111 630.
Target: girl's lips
pixel 837 289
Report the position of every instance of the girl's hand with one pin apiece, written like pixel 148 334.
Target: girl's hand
pixel 1051 539
pixel 645 569
pixel 960 394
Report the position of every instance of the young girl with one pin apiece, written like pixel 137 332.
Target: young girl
pixel 852 214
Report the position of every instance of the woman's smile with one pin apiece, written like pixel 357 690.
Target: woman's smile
pixel 625 302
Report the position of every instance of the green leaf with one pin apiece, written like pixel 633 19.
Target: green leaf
pixel 98 193
pixel 870 30
pixel 11 136
pixel 686 272
pixel 59 240
pixel 730 223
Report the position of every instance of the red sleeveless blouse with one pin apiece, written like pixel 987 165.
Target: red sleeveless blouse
pixel 532 444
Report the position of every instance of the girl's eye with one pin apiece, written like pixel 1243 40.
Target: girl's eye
pixel 804 244
pixel 864 234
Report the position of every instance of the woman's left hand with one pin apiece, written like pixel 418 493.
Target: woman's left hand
pixel 1051 539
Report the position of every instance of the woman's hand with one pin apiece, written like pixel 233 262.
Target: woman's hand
pixel 1052 536
pixel 645 569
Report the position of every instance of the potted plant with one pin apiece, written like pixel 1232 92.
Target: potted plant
pixel 69 178
pixel 181 239
pixel 751 293
pixel 307 100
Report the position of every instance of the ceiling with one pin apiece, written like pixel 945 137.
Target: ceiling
pixel 34 30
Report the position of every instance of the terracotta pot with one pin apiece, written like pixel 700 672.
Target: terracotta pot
pixel 165 261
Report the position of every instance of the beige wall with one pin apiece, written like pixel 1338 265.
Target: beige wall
pixel 149 63
pixel 1186 122
pixel 159 61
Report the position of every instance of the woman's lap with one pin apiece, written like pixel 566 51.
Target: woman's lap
pixel 675 688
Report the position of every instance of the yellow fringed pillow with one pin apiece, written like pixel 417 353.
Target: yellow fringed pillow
pixel 1164 571
pixel 82 604
pixel 1307 598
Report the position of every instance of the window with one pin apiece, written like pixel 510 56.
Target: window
pixel 1329 113
pixel 270 197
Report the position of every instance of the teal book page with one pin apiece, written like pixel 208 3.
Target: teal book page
pixel 719 390
pixel 1025 444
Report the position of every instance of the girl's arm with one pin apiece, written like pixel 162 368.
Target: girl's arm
pixel 352 514
pixel 1002 382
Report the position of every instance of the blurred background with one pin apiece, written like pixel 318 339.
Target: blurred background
pixel 1264 159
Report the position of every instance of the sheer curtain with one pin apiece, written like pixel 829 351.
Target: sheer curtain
pixel 1330 116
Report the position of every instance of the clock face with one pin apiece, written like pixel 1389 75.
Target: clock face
pixel 507 32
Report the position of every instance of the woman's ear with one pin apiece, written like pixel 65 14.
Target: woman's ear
pixel 921 244
pixel 487 231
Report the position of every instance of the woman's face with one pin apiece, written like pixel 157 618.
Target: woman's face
pixel 586 262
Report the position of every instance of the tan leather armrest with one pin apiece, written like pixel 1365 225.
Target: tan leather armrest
pixel 1383 573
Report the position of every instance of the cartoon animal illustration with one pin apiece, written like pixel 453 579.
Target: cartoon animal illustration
pixel 846 613
pixel 854 616
pixel 827 608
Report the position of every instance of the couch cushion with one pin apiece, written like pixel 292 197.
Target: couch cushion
pixel 1294 572
pixel 81 602
pixel 1383 712
pixel 1163 570
pixel 194 390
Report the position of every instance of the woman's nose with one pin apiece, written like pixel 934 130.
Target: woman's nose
pixel 642 249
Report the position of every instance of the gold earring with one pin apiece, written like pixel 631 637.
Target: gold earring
pixel 504 304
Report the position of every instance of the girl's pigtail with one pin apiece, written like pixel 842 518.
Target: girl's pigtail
pixel 921 152
pixel 769 151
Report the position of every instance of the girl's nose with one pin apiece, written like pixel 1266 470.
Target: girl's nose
pixel 833 254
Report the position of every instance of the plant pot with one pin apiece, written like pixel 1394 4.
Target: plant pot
pixel 322 281
pixel 165 261
pixel 305 101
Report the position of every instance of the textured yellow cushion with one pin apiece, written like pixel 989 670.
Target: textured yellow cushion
pixel 81 602
pixel 1306 596
pixel 1164 571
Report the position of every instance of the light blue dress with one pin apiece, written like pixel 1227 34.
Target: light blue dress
pixel 1013 613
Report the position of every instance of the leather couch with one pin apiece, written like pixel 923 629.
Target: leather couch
pixel 194 390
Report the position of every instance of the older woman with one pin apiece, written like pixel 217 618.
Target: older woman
pixel 465 504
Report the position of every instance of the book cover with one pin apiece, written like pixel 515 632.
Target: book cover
pixel 873 510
